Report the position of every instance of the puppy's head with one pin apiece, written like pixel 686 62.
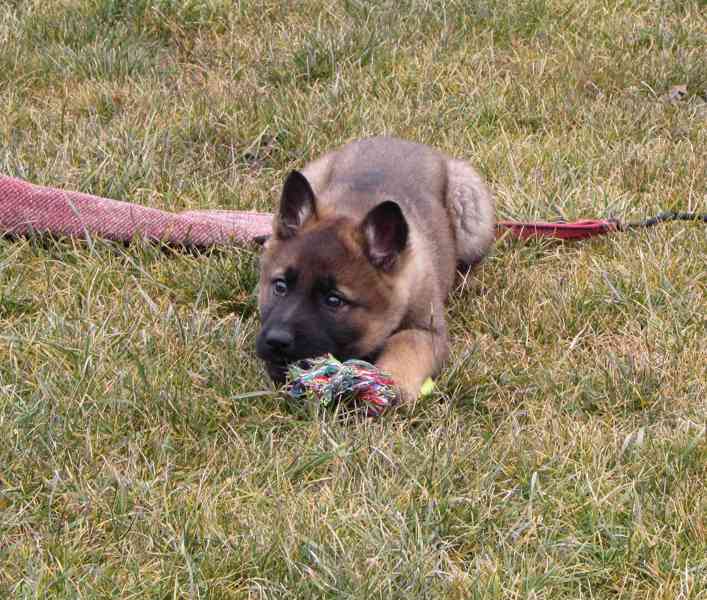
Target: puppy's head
pixel 327 282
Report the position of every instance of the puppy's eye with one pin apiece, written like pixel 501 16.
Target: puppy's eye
pixel 334 301
pixel 279 287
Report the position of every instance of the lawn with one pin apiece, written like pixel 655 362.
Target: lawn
pixel 563 453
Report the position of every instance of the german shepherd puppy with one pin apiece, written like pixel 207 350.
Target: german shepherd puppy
pixel 363 254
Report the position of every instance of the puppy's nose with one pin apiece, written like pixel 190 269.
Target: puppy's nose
pixel 279 340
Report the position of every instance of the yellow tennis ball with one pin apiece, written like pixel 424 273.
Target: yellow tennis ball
pixel 427 387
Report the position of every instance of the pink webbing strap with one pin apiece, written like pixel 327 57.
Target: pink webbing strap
pixel 26 208
pixel 578 230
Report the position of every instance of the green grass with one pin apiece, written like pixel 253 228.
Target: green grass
pixel 563 453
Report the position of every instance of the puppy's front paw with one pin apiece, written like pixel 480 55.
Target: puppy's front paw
pixel 408 388
pixel 410 357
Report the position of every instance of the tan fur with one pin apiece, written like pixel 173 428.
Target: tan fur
pixel 450 217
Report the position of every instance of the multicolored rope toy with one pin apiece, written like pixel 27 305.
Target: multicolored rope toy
pixel 329 382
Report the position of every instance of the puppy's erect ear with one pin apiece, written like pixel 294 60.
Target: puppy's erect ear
pixel 297 204
pixel 385 232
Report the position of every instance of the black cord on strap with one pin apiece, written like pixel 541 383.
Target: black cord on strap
pixel 662 218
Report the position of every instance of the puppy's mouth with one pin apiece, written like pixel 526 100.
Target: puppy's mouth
pixel 277 371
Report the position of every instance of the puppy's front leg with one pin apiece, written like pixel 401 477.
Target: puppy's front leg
pixel 411 356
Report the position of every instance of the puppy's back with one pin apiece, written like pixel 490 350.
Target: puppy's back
pixel 444 199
